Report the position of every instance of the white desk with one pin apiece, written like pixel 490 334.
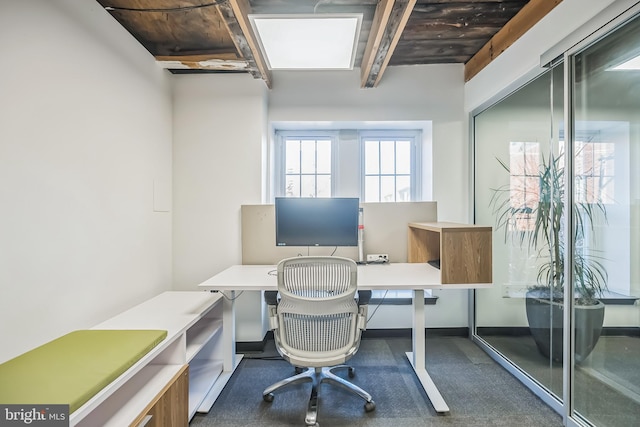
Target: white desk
pixel 397 276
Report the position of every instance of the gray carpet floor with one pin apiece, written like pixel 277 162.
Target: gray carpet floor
pixel 478 391
pixel 607 384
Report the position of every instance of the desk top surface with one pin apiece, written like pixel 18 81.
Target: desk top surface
pixel 397 276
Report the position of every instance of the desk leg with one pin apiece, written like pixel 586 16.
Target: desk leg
pixel 229 331
pixel 417 357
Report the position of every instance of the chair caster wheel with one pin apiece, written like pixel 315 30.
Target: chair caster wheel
pixel 268 397
pixel 352 372
pixel 370 406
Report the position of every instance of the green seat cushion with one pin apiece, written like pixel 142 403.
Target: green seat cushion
pixel 73 368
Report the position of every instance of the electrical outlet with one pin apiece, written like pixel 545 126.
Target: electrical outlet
pixel 382 258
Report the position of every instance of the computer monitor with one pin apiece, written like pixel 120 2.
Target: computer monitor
pixel 316 221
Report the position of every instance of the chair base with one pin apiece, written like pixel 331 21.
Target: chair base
pixel 317 376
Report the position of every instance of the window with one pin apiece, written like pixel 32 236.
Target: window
pixel 389 166
pixel 524 183
pixel 307 161
pixel 594 170
pixel 376 166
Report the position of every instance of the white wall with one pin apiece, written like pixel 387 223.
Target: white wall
pixel 217 161
pixel 219 133
pixel 85 131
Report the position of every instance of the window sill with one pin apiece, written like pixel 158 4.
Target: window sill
pixel 609 297
pixel 614 298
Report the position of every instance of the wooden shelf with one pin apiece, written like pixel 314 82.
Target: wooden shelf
pixel 463 250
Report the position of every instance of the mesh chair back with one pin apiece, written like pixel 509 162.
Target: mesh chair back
pixel 317 315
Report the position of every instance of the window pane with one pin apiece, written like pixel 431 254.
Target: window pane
pixel 387 157
pixel 403 188
pixel 371 187
pixel 292 156
pixel 387 188
pixel 308 157
pixel 308 186
pixel 324 156
pixel 292 186
pixel 606 192
pixel 517 191
pixel 583 158
pixel 403 157
pixel 606 159
pixel 371 157
pixel 304 159
pixel 532 190
pixel 324 186
pixel 391 160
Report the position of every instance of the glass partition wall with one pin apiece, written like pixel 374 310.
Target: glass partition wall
pixel 569 138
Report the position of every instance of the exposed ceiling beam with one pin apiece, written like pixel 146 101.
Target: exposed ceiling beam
pixel 219 62
pixel 390 18
pixel 379 24
pixel 234 13
pixel 522 22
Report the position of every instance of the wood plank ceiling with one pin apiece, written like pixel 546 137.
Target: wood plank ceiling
pixel 191 36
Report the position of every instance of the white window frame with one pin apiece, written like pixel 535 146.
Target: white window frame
pixel 279 160
pixel 415 136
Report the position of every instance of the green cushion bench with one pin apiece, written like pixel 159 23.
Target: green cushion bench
pixel 73 368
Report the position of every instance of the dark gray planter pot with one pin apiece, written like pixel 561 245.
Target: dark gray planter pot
pixel 545 323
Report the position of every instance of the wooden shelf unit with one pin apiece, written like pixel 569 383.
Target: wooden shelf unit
pixel 464 251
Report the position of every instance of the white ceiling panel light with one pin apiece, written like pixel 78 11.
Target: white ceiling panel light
pixel 308 42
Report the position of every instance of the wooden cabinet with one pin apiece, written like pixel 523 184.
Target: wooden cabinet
pixel 463 251
pixel 170 407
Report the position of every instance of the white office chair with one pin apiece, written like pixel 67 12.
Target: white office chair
pixel 317 324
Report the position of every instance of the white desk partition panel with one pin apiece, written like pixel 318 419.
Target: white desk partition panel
pixel 385 232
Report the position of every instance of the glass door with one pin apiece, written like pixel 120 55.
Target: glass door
pixel 519 171
pixel 605 149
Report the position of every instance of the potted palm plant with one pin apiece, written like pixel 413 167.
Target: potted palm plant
pixel 545 236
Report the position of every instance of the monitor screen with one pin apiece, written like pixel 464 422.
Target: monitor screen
pixel 316 221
